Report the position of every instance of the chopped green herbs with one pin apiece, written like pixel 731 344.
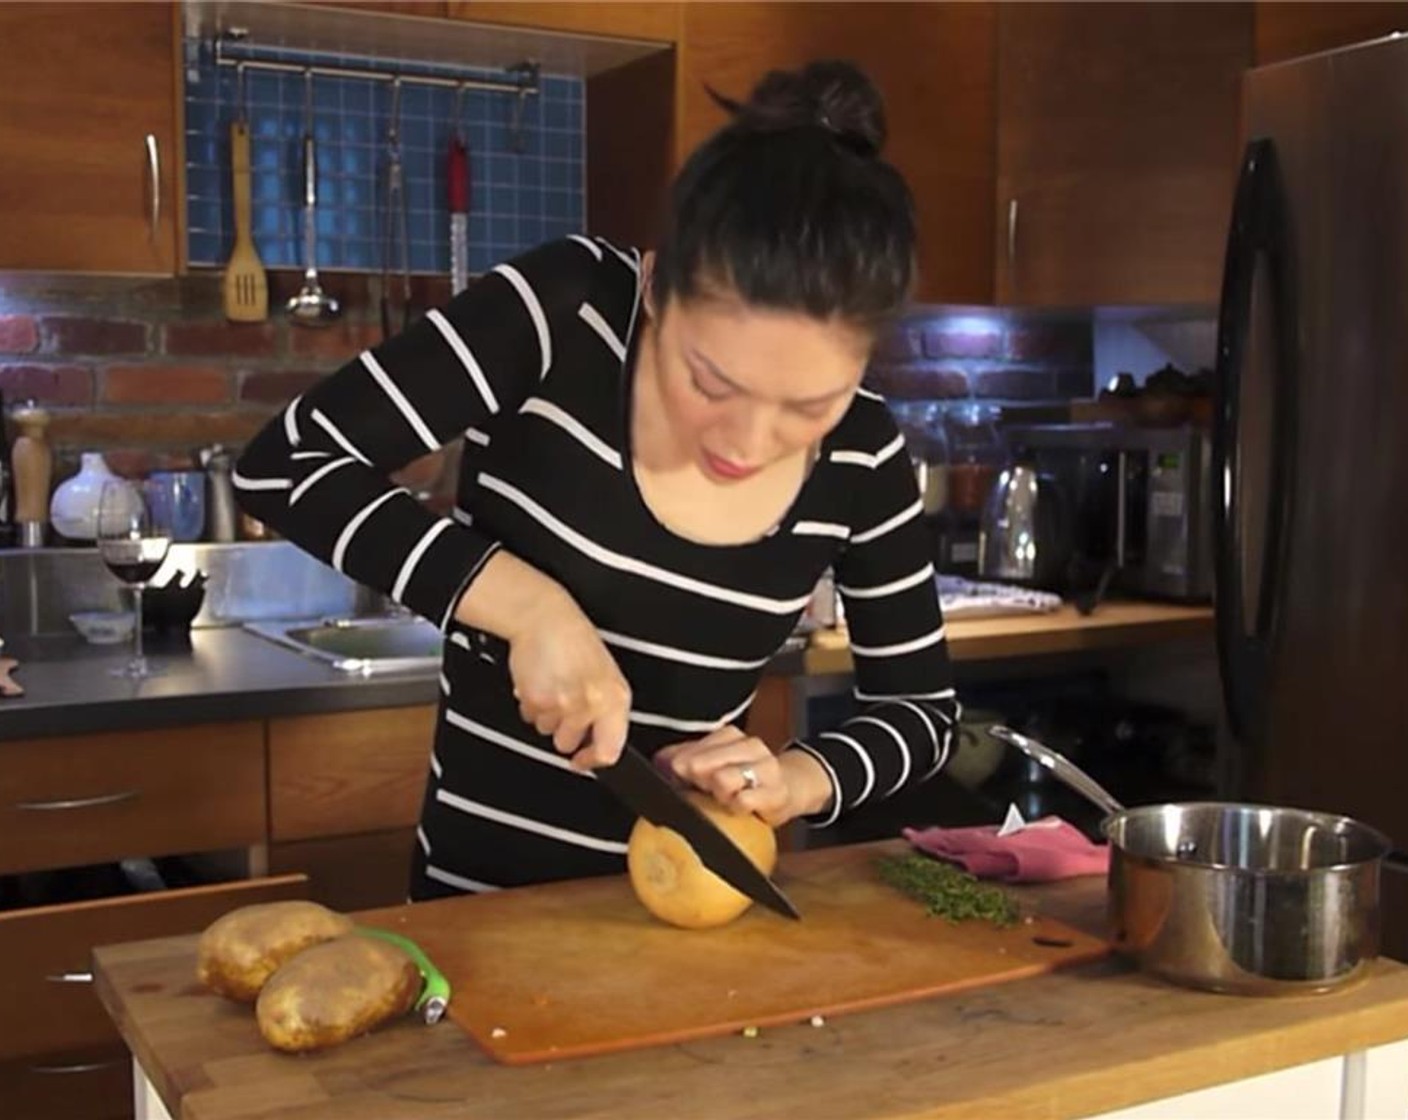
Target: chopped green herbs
pixel 946 891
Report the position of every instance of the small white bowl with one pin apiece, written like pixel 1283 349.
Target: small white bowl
pixel 105 628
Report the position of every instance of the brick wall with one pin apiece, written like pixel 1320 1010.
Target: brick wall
pixel 148 370
pixel 999 356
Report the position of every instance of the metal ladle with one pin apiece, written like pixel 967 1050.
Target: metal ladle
pixel 311 307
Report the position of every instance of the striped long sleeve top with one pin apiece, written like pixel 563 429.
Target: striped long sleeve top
pixel 530 368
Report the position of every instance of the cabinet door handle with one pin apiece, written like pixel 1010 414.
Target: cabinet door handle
pixel 1012 240
pixel 77 802
pixel 154 195
pixel 70 978
pixel 79 1067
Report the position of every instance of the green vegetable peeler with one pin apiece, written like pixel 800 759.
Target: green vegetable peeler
pixel 435 992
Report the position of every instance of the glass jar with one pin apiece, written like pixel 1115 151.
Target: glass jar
pixel 976 454
pixel 922 425
pixel 933 459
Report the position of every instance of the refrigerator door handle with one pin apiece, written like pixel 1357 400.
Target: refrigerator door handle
pixel 1121 508
pixel 1258 237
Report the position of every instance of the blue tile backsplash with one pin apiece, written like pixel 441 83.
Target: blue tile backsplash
pixel 517 200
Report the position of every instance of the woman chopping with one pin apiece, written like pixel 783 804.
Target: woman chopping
pixel 662 454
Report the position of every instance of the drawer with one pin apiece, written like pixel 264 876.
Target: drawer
pixel 98 798
pixel 45 953
pixel 92 1084
pixel 364 872
pixel 348 772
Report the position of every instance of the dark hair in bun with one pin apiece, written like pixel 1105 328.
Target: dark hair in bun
pixel 790 204
pixel 831 95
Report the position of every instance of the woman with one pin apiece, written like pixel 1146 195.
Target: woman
pixel 662 455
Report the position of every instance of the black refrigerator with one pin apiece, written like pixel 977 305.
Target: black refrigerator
pixel 1311 448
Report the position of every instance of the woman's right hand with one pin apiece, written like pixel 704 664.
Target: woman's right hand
pixel 567 683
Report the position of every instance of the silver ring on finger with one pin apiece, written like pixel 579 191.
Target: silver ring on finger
pixel 749 776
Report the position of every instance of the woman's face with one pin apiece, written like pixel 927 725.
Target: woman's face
pixel 745 387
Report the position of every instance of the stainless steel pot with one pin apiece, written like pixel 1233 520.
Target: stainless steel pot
pixel 1250 899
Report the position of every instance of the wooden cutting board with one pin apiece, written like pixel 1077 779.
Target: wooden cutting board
pixel 579 968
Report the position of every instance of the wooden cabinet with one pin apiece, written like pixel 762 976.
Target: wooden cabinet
pixel 1117 150
pixel 1288 30
pixel 1059 154
pixel 92 1084
pixel 934 65
pixel 345 792
pixel 348 772
pixel 333 798
pixel 44 955
pixel 626 19
pixel 88 127
pixel 95 798
pixel 631 148
pixel 60 1054
pixel 362 872
pixel 432 9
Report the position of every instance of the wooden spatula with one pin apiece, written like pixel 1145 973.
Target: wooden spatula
pixel 246 288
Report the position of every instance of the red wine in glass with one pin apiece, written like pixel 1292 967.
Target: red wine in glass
pixel 135 561
pixel 133 540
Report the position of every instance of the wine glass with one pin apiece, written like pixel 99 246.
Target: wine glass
pixel 134 535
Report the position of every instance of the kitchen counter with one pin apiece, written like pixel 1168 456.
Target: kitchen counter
pixel 218 674
pixel 1114 624
pixel 227 673
pixel 1097 1039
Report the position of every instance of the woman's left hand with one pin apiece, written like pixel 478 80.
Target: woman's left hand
pixel 743 774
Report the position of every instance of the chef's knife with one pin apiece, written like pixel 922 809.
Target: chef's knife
pixel 635 780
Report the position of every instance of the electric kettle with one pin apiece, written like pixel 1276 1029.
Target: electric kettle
pixel 1024 535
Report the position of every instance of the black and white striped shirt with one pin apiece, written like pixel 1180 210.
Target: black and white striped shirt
pixel 529 366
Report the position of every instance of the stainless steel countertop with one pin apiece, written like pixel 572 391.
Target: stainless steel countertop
pixel 218 674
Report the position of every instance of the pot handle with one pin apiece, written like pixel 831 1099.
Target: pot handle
pixel 1059 765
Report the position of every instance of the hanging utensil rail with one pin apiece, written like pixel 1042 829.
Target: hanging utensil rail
pixel 525 83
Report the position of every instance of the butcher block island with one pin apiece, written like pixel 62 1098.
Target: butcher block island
pixel 1035 1019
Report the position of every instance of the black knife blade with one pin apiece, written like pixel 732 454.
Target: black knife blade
pixel 648 793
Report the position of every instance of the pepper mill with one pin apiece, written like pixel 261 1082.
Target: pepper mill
pixel 220 494
pixel 33 464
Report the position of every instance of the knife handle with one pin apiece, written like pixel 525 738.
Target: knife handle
pixel 458 176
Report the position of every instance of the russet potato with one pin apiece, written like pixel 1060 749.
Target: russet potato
pixel 336 991
pixel 239 951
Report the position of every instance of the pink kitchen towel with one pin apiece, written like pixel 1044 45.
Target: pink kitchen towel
pixel 1045 849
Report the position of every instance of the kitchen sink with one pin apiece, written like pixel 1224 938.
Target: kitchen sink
pixel 380 644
